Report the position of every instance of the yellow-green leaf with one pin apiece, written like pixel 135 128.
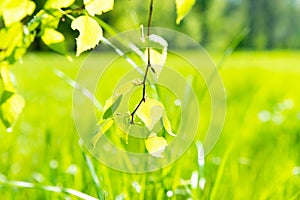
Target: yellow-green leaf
pixel 52 36
pixel 54 40
pixel 58 3
pixel 155 145
pixel 122 134
pixel 126 87
pixel 6 79
pixel 13 38
pixel 97 7
pixel 182 8
pixel 104 126
pixel 150 112
pixel 90 33
pixel 15 11
pixel 167 124
pixel 48 18
pixel 11 109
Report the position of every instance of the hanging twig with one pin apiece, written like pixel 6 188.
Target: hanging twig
pixel 147 68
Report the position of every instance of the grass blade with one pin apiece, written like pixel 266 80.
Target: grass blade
pixel 49 188
pixel 92 170
pixel 220 172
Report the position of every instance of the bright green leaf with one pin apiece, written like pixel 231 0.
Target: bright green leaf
pixel 97 7
pixel 90 33
pixel 155 145
pixel 58 3
pixel 15 11
pixel 11 109
pixel 104 126
pixel 150 112
pixel 182 8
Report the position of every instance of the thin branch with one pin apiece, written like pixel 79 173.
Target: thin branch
pixel 147 68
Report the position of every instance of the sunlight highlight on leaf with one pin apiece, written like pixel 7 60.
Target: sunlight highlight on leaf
pixel 90 33
pixel 182 8
pixel 97 7
pixel 155 145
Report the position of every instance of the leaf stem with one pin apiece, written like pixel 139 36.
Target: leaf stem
pixel 147 68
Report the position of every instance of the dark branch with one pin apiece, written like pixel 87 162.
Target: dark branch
pixel 147 68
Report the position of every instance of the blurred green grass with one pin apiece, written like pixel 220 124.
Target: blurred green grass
pixel 262 126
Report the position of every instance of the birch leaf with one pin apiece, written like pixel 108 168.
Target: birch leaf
pixel 150 112
pixel 15 11
pixel 54 40
pixel 90 33
pixel 126 87
pixel 167 124
pixel 6 79
pixel 155 145
pixel 11 109
pixel 58 3
pixel 97 7
pixel 182 8
pixel 111 106
pixel 104 126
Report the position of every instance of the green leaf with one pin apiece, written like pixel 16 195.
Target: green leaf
pixel 155 145
pixel 97 7
pixel 11 109
pixel 104 126
pixel 111 106
pixel 150 112
pixel 15 11
pixel 182 8
pixel 90 33
pixel 114 101
pixel 58 3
